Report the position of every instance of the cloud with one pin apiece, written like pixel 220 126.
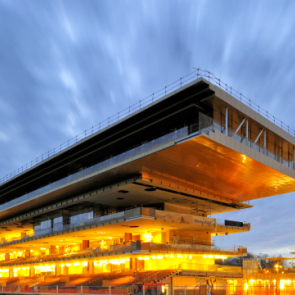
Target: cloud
pixel 68 65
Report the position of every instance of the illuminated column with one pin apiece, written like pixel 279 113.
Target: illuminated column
pixel 91 267
pixel 7 256
pixel 134 263
pixel 128 237
pixel 86 269
pixel 66 270
pixel 11 272
pixel 61 250
pixel 32 271
pixel 27 253
pixel 85 244
pixel 57 270
pixel 52 250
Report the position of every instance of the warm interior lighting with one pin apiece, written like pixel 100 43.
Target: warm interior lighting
pixel 282 284
pixel 147 237
pixel 246 287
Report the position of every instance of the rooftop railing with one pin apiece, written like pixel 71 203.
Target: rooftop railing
pixel 197 73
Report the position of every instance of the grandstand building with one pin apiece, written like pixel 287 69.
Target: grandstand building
pixel 133 202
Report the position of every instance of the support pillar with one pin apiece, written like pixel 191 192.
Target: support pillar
pixel 27 253
pixel 61 250
pixel 52 250
pixel 293 158
pixel 264 141
pixel 85 244
pixel 7 256
pixel 11 272
pixel 128 237
pixel 247 132
pixel 57 270
pixel 32 271
pixel 91 267
pixel 226 121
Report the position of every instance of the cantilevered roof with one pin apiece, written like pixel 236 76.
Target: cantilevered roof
pixel 206 164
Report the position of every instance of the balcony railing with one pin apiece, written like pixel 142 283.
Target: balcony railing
pixel 137 247
pixel 123 215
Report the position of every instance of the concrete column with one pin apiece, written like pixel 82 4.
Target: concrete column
pixel 57 270
pixel 86 269
pixel 61 250
pixel 7 256
pixel 91 267
pixel 128 237
pixel 85 244
pixel 32 271
pixel 27 253
pixel 11 272
pixel 52 250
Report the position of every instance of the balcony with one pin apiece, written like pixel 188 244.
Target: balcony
pixel 137 247
pixel 192 221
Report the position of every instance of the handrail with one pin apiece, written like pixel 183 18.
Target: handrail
pixel 196 73
pixel 160 271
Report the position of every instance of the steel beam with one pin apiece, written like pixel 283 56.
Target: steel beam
pixel 264 141
pixel 257 137
pixel 226 120
pixel 239 127
pixel 247 131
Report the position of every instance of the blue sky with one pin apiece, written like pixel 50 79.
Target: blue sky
pixel 67 65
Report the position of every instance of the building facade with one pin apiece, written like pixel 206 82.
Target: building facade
pixel 133 202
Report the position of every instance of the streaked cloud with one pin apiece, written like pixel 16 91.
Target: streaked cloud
pixel 67 65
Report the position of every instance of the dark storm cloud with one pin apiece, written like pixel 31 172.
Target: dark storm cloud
pixel 67 65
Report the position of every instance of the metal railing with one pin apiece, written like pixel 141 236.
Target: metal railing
pixel 143 103
pixel 157 288
pixel 149 247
